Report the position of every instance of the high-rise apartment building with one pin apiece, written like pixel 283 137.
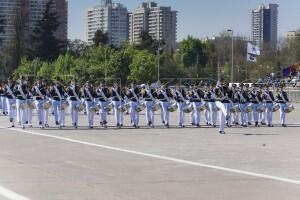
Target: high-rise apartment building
pixel 32 11
pixel 111 18
pixel 160 22
pixel 265 25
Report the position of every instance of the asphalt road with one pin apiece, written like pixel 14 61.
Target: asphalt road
pixel 151 164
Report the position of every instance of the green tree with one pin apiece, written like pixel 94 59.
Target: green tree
pixel 143 67
pixel 46 71
pixel 100 38
pixel 76 47
pixel 44 44
pixel 192 55
pixel 27 67
pixel 63 65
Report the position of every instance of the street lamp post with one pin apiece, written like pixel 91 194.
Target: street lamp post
pixel 158 64
pixel 105 66
pixel 232 76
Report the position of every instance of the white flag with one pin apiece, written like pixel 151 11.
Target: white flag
pixel 253 49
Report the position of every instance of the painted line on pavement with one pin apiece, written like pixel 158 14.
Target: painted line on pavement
pixel 160 157
pixel 6 193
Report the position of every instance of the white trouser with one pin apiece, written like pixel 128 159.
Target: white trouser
pixel 282 113
pixel 74 112
pixel 90 115
pixel 193 115
pixel 134 115
pixel 235 116
pixel 222 114
pixel 29 112
pixel 269 113
pixel 212 112
pixel 255 113
pixel 243 107
pixel 207 116
pixel 3 104
pixel 196 117
pixel 57 111
pixel 118 114
pixel 22 112
pixel 63 117
pixel 249 115
pixel 39 104
pixel 222 119
pixel 227 108
pixel 181 114
pixel 149 112
pixel 103 113
pixel 11 111
pixel 262 115
pixel 46 115
pixel 165 111
pixel 18 112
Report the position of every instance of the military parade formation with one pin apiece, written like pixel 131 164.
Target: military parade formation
pixel 221 104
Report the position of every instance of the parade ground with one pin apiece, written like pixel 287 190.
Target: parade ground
pixel 151 164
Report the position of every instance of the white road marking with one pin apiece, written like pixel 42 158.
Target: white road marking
pixel 186 162
pixel 11 195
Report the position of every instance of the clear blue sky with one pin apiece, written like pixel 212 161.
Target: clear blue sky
pixel 200 18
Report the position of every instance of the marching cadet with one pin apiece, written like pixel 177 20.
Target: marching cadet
pixel 206 101
pixel 269 99
pixel 244 100
pixel 226 101
pixel 10 100
pixel 30 104
pixel 164 96
pixel 149 96
pixel 117 102
pixel 180 97
pixel 3 99
pixel 39 92
pixel 103 96
pixel 49 109
pixel 235 98
pixel 133 96
pixel 254 99
pixel 211 95
pixel 73 92
pixel 261 115
pixel 196 96
pixel 222 105
pixel 56 94
pixel 89 95
pixel 21 93
pixel 282 99
pixel 248 114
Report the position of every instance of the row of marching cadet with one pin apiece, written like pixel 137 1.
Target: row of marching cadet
pixel 234 105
